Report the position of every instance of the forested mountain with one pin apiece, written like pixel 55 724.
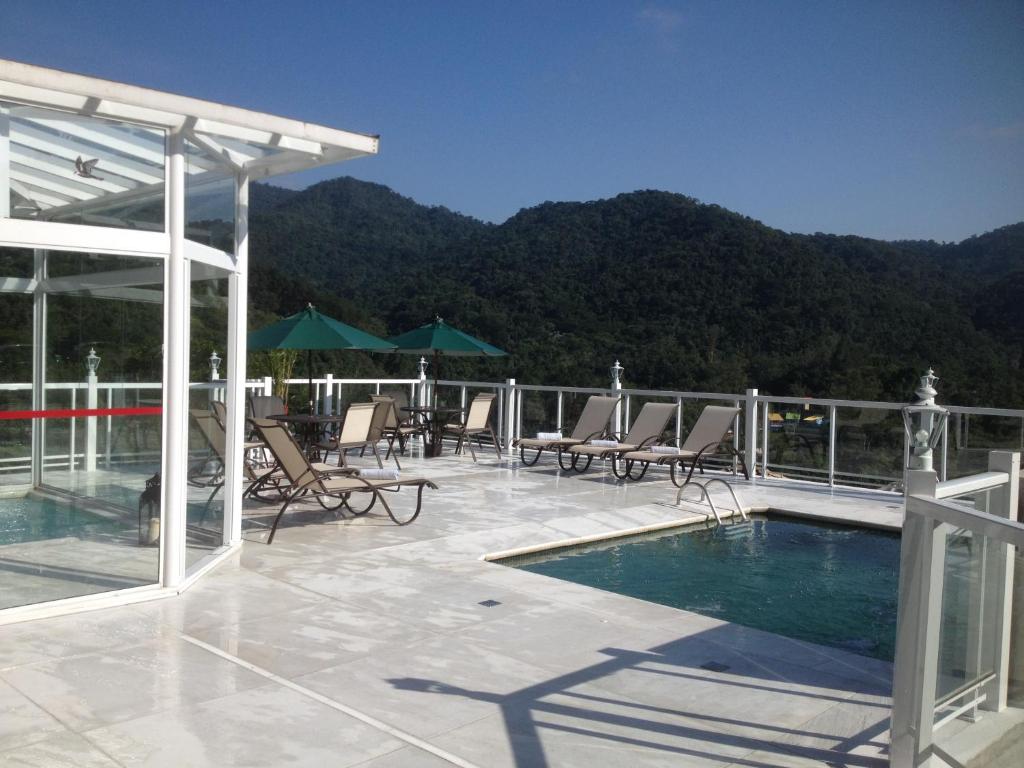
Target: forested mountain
pixel 686 295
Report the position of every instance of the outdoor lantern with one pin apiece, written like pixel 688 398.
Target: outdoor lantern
pixel 423 367
pixel 92 362
pixel 215 361
pixel 617 372
pixel 924 422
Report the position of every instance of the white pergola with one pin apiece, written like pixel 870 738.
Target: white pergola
pixel 149 147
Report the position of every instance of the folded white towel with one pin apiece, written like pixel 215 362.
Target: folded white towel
pixel 549 435
pixel 605 443
pixel 378 474
pixel 669 449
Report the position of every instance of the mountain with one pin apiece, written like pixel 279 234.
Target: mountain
pixel 687 295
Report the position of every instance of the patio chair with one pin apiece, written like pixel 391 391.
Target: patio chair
pixel 361 429
pixel 304 481
pixel 592 424
pixel 477 422
pixel 257 477
pixel 707 438
pixel 647 429
pixel 395 428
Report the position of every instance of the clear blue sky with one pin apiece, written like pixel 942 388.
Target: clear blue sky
pixel 887 119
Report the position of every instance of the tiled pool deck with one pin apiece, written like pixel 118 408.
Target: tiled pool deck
pixel 359 643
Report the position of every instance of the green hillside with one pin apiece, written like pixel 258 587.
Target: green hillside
pixel 686 295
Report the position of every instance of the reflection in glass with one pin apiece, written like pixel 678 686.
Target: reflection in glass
pixel 80 169
pixel 206 434
pixel 209 201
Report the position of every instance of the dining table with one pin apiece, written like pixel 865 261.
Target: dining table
pixel 434 418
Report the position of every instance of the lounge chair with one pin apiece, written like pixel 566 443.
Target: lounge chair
pixel 707 438
pixel 592 424
pixel 306 482
pixel 361 429
pixel 477 423
pixel 395 428
pixel 647 429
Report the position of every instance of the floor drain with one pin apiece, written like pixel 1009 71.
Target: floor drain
pixel 714 666
pixel 489 603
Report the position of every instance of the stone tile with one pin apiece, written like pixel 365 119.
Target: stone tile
pixel 430 687
pixel 21 721
pixel 324 635
pixel 407 757
pixel 263 727
pixel 66 750
pixel 89 691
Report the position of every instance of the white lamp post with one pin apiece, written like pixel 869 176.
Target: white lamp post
pixel 92 364
pixel 924 422
pixel 616 371
pixel 215 361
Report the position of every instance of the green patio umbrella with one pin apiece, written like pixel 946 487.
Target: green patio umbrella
pixel 437 339
pixel 311 330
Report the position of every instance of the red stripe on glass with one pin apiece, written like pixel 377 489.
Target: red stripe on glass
pixel 71 413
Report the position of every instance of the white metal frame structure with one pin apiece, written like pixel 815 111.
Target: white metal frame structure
pixel 63 169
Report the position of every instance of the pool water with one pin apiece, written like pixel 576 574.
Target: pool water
pixel 828 584
pixel 32 518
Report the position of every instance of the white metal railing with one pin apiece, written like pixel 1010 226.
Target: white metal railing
pixel 956 603
pixel 827 440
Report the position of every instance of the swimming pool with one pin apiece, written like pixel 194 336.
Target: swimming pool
pixel 829 584
pixel 37 518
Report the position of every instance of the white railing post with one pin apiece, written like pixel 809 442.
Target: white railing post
pixel 764 440
pixel 329 394
pixel 750 431
pixel 72 437
pixel 832 445
pixel 91 402
pixel 1003 502
pixel 616 371
pixel 268 386
pixel 424 400
pixel 558 412
pixel 510 414
pixel 679 421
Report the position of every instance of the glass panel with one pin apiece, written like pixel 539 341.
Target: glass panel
pixel 15 377
pixel 84 527
pixel 869 447
pixel 80 169
pixel 798 438
pixel 206 437
pixel 970 439
pixel 209 200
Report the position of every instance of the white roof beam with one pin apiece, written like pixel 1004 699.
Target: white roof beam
pixel 40 197
pixel 65 171
pixel 5 163
pixel 231 159
pixel 111 138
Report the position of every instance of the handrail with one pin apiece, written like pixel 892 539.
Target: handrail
pixel 961 486
pixel 959 516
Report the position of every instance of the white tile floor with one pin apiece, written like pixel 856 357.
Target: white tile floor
pixel 359 643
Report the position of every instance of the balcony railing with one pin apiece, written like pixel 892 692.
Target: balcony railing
pixel 825 440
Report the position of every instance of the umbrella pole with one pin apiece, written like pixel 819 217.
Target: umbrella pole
pixel 437 364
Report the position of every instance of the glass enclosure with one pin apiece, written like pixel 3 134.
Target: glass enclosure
pixel 74 517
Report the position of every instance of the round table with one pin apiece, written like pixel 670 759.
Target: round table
pixel 434 418
pixel 308 426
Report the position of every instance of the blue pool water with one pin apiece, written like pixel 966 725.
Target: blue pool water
pixel 828 584
pixel 36 519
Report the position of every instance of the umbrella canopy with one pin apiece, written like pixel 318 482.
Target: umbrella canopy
pixel 439 338
pixel 311 330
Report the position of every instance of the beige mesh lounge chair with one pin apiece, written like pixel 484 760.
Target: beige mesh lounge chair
pixel 477 423
pixel 361 429
pixel 306 482
pixel 647 429
pixel 395 428
pixel 592 425
pixel 707 438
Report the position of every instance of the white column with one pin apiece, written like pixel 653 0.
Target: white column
pixel 5 163
pixel 38 367
pixel 176 331
pixel 234 389
pixel 510 415
pixel 329 394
